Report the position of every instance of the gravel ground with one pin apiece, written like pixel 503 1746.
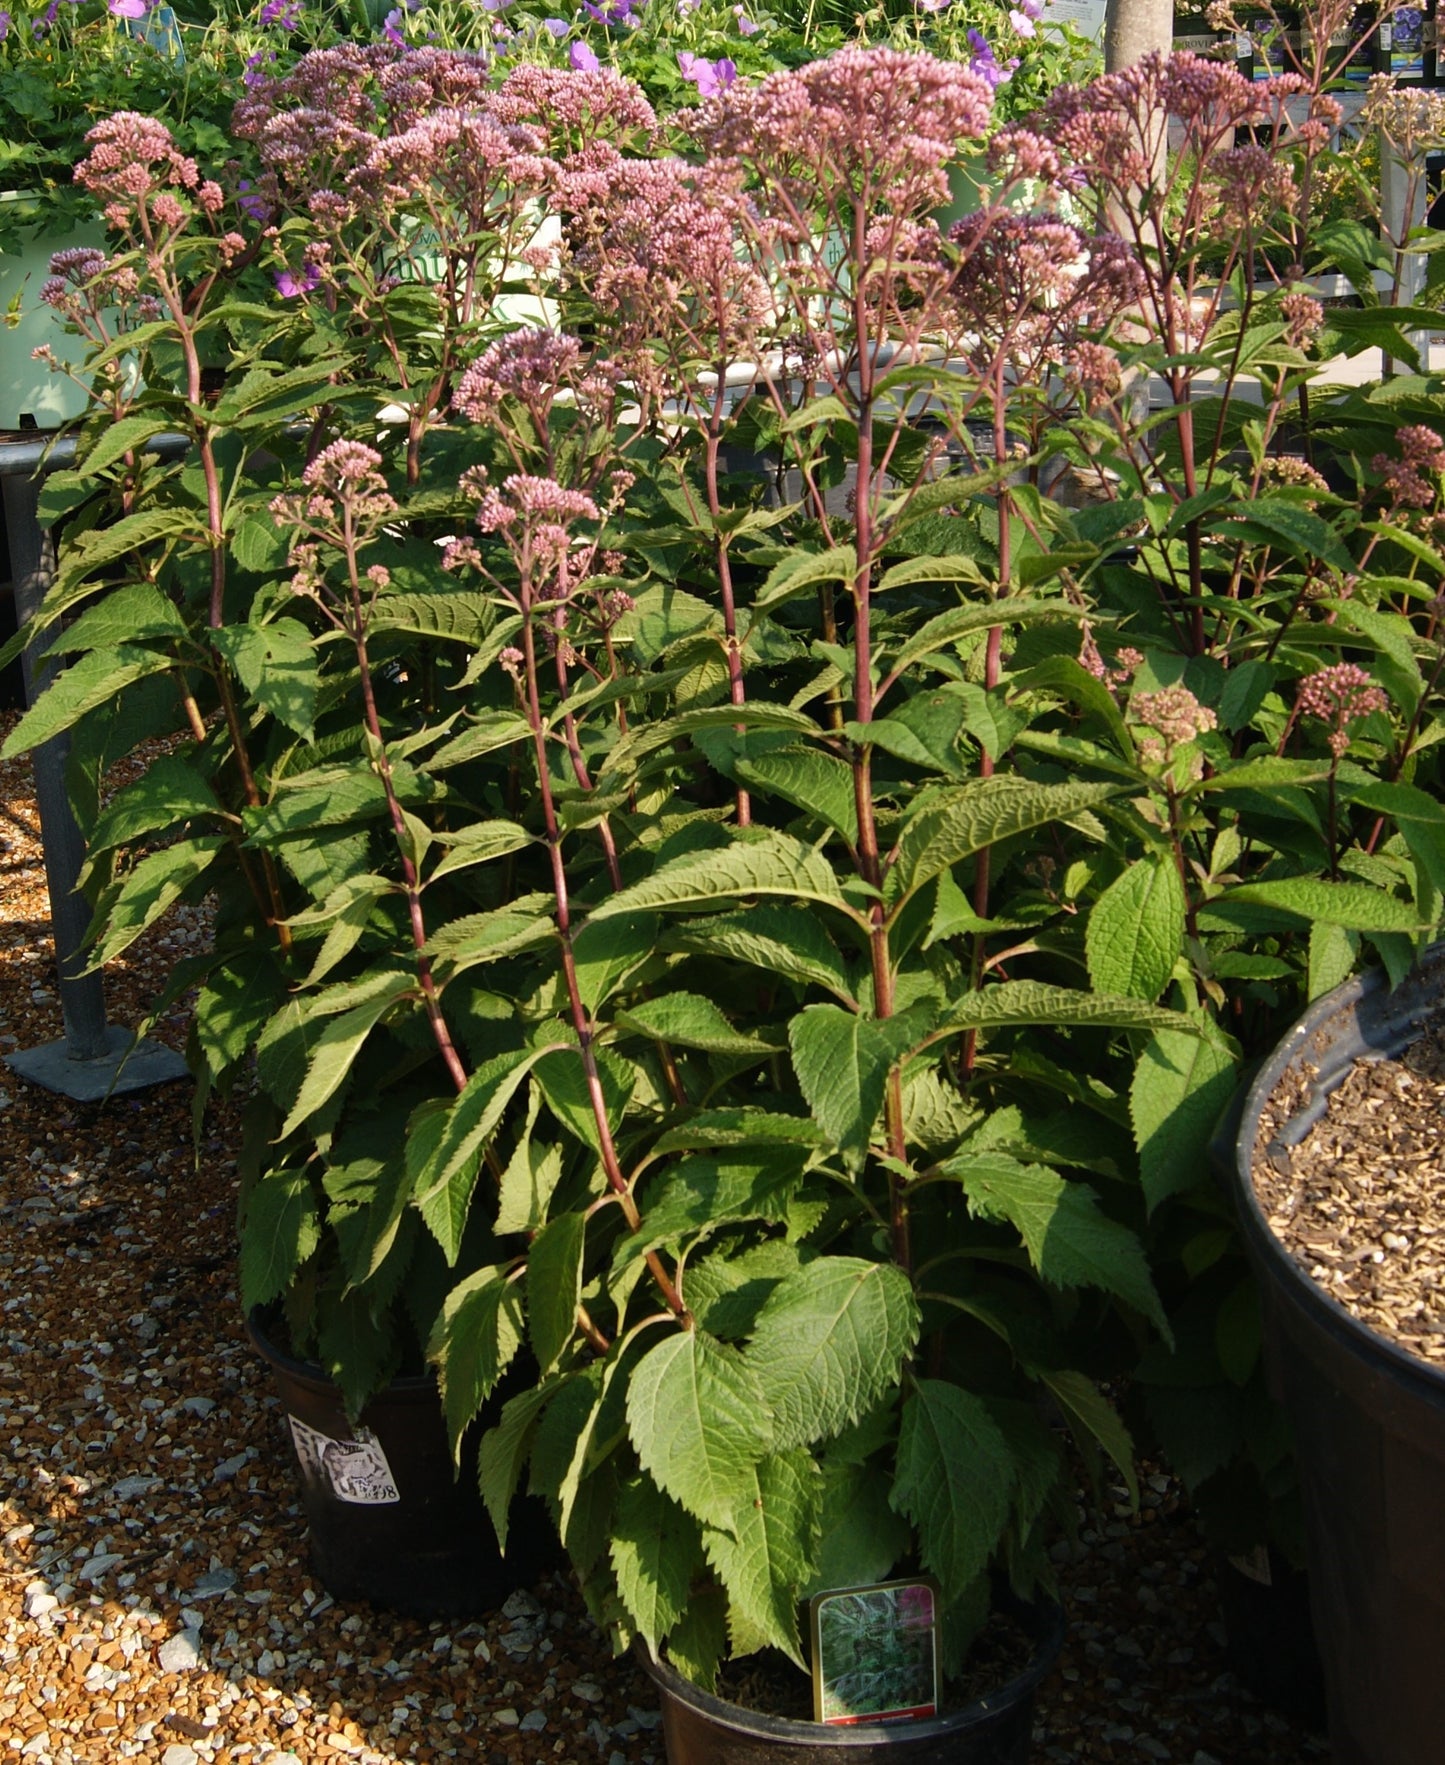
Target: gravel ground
pixel 155 1597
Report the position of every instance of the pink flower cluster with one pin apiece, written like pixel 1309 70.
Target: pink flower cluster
pixel 133 165
pixel 1339 695
pixel 880 123
pixel 1408 480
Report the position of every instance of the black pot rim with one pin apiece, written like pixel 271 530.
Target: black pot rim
pixel 406 1387
pixel 1334 1008
pixel 1045 1623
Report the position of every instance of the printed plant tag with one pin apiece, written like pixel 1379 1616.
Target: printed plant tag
pixel 353 1470
pixel 875 1653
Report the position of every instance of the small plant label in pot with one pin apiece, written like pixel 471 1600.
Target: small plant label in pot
pixel 354 1470
pixel 875 1653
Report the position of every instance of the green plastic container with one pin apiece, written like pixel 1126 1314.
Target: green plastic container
pixel 31 397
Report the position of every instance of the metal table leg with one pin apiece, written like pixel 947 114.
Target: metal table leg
pixel 93 1058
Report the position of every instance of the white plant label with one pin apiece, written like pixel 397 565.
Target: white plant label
pixel 354 1470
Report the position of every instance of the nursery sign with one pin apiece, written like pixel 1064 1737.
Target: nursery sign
pixel 875 1653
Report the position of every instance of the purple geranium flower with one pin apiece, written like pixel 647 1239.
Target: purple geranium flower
pixel 4 25
pixel 619 12
pixel 583 59
pixel 984 63
pixel 1022 23
pixel 117 9
pixel 286 13
pixel 710 77
pixel 746 26
pixel 391 28
pixel 557 26
pixel 289 283
pixel 254 207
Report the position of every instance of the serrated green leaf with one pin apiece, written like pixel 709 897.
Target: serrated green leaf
pixel 554 1286
pixel 802 569
pixel 504 1451
pixel 130 434
pixel 1018 1003
pixel 446 1165
pixel 830 1340
pixel 282 1228
pixel 767 1555
pixel 130 614
pixel 479 843
pixel 686 1020
pixel 946 629
pixel 476 1334
pixel 489 937
pixel 1136 929
pixel 787 941
pixel 699 1639
pixel 458 616
pixel 532 1173
pixel 1181 1085
pixel 168 792
pixel 954 1480
pixel 1090 1415
pixel 360 1351
pixel 605 952
pixel 95 679
pixel 842 1061
pixel 1069 1241
pixel 818 784
pixel 959 820
pixel 861 1538
pixel 1419 817
pixel 276 664
pixel 737 1127
pixel 656 1548
pixel 1333 954
pixel 145 892
pixel 698 1424
pixel 1305 899
pixel 335 1050
pixel 771 864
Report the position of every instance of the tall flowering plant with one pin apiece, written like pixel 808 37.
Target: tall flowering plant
pixel 749 847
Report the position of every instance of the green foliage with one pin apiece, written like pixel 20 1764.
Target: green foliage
pixel 756 956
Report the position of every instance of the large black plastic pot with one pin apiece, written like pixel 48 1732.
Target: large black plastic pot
pixel 1368 1419
pixel 994 1730
pixel 388 1521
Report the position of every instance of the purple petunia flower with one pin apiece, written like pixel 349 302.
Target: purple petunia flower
pixel 583 59
pixel 710 77
pixel 289 284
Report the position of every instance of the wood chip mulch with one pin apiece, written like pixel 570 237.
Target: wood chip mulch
pixel 1359 1203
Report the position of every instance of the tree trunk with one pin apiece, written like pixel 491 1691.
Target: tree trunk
pixel 1133 27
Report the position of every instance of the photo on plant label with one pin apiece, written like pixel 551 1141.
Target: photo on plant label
pixel 875 1653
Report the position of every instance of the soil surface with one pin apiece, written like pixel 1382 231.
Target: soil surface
pixel 1359 1203
pixel 156 1601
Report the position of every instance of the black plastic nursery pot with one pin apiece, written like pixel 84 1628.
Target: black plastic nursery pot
pixel 994 1730
pixel 1368 1418
pixel 388 1521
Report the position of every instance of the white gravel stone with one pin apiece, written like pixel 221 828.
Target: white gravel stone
pixel 176 1754
pixel 181 1653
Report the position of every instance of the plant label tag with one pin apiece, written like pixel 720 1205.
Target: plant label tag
pixel 353 1470
pixel 875 1653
